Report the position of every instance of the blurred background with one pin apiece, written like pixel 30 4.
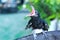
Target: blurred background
pixel 13 18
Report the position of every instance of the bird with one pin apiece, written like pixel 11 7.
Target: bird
pixel 37 24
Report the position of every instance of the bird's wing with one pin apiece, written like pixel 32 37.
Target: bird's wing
pixel 29 24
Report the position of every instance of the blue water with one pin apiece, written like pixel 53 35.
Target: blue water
pixel 12 26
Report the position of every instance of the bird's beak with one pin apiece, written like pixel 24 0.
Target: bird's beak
pixel 30 14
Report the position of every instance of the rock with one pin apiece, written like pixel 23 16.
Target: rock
pixel 52 35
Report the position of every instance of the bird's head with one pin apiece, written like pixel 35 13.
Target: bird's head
pixel 33 13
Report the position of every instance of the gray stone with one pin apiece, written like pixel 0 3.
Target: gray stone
pixel 54 35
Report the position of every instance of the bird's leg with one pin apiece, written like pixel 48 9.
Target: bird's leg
pixel 35 36
pixel 45 35
pixel 35 32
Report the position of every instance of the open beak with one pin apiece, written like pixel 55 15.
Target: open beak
pixel 32 13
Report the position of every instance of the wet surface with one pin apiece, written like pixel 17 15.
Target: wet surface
pixel 13 26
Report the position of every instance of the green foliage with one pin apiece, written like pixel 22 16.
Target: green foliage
pixel 28 7
pixel 19 7
pixel 48 9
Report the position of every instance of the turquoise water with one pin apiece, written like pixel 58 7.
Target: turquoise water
pixel 12 26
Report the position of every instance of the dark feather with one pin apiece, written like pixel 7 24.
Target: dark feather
pixel 37 23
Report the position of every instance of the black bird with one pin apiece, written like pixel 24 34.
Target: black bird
pixel 36 22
